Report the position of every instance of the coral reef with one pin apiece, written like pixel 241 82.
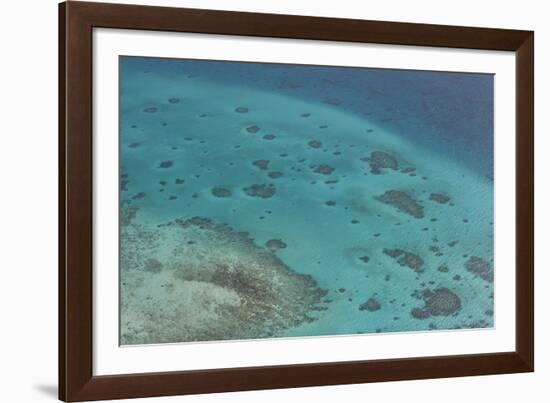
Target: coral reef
pixel 241 109
pixel 315 144
pixel 381 159
pixel 263 191
pixel 253 129
pixel 242 291
pixel 324 169
pixel 403 202
pixel 406 259
pixel 439 302
pixel 262 164
pixel 166 164
pixel 439 198
pixel 480 267
pixel 275 174
pixel 370 305
pixel 221 192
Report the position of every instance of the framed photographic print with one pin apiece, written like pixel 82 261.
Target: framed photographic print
pixel 252 201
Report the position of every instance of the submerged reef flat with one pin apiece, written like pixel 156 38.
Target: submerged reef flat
pixel 240 289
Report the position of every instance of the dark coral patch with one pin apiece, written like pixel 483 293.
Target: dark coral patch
pixel 365 259
pixel 275 244
pixel 174 100
pixel 439 198
pixel 151 109
pixel 403 202
pixel 179 181
pixel 440 302
pixel 370 305
pixel 166 164
pixel 379 160
pixel 138 196
pixel 275 174
pixel 406 259
pixel 330 203
pixel 221 192
pixel 324 169
pixel 480 267
pixel 268 137
pixel 241 109
pixel 134 145
pixel 262 164
pixel 419 313
pixel 305 115
pixel 315 144
pixel 253 129
pixel 263 191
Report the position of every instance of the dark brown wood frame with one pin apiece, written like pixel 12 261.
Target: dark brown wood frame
pixel 76 23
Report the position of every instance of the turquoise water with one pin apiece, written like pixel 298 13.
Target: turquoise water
pixel 266 200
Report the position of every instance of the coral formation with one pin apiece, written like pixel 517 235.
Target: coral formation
pixel 151 109
pixel 403 202
pixel 275 244
pixel 365 259
pixel 263 191
pixel 406 259
pixel 480 267
pixel 166 164
pixel 241 109
pixel 262 164
pixel 275 174
pixel 242 290
pixel 381 159
pixel 221 192
pixel 324 169
pixel 439 302
pixel 439 198
pixel 253 129
pixel 315 144
pixel 370 305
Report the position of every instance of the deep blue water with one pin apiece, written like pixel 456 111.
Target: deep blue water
pixel 331 200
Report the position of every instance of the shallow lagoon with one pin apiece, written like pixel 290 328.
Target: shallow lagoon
pixel 264 200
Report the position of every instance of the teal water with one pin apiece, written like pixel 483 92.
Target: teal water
pixel 264 200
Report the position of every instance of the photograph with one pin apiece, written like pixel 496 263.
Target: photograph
pixel 266 200
pixel 275 201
